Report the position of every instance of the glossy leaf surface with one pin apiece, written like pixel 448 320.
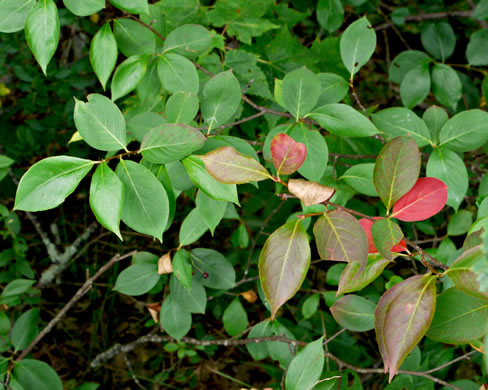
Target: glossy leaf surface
pixel 386 234
pixel 306 367
pixel 13 14
pixel 360 177
pixel 352 279
pixel 354 313
pixel 465 131
pixel 192 228
pixel 103 53
pixel 288 155
pixel 85 7
pixel 220 272
pixel 310 192
pixel 137 279
pixel 178 74
pixel 367 224
pixel 128 75
pixel 190 40
pixel 301 91
pixel 315 163
pixel 283 263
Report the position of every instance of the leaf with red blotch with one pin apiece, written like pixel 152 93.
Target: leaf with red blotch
pixel 403 315
pixel 426 198
pixel 366 224
pixel 287 154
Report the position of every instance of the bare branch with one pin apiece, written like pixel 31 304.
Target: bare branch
pixel 431 16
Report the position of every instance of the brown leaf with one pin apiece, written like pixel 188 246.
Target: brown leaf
pixel 250 296
pixel 310 192
pixel 164 264
pixel 154 309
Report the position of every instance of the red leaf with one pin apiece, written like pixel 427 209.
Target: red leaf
pixel 287 154
pixel 366 225
pixel 426 198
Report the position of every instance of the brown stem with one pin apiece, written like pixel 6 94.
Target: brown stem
pixel 122 155
pixel 431 16
pixel 155 32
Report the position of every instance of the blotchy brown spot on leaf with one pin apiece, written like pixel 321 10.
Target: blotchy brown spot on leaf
pixel 310 192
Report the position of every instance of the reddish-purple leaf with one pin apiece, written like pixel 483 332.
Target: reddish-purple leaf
pixel 403 315
pixel 287 154
pixel 340 237
pixel 366 224
pixel 310 192
pixel 426 198
pixel 283 263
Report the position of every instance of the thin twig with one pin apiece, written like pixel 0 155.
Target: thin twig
pixel 431 16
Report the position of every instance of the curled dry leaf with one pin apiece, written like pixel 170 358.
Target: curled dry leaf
pixel 366 224
pixel 154 309
pixel 310 192
pixel 229 166
pixel 164 264
pixel 403 315
pixel 250 296
pixel 288 155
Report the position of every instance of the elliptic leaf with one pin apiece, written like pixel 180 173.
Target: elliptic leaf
pixel 301 91
pixel 435 117
pixel 229 166
pixel 403 315
pixel 178 74
pixel 415 85
pixel 176 322
pixel 34 374
pixel 426 198
pixel 48 182
pixel 446 85
pixel 317 152
pixel 357 45
pixel 221 96
pixel 181 107
pixel 106 198
pixel 193 301
pixel 465 131
pixel 13 14
pixel 404 62
pixel 330 14
pixel 139 125
pixel 458 317
pixel 333 88
pixel 182 268
pixel 367 224
pixel 306 367
pixel 146 206
pixel 400 121
pixel 127 75
pixel 343 120
pixel 439 40
pixel 211 210
pixel 235 318
pixel 283 263
pixel 220 272
pixel 132 6
pixel 310 192
pixel 190 40
pixel 475 51
pixel 103 52
pixel 25 329
pixel 42 31
pixel 137 279
pixel 192 228
pixel 288 155
pixel 85 7
pixel 360 177
pixel 354 313
pixel 396 170
pixel 100 123
pixel 311 305
pixel 340 237
pixel 171 142
pixel 133 38
pixel 386 234
pixel 259 351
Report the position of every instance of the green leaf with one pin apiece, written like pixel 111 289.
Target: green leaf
pixel 360 177
pixel 137 279
pixel 354 313
pixel 460 223
pixel 139 125
pixel 435 117
pixel 340 237
pixel 211 210
pixel 330 14
pixel 128 75
pixel 171 142
pixel 100 123
pixel 177 73
pixel 13 14
pixel 301 92
pixel 220 272
pixel 42 31
pixel 458 317
pixel 439 40
pixel 103 52
pixel 404 62
pixel 201 178
pixel 386 234
pixel 446 85
pixel 310 306
pixel 192 228
pixel 235 318
pixel 5 161
pixel 34 374
pixel 85 7
pixel 353 280
pixel 49 182
pixel 190 40
pixel 357 45
pixel 239 144
pixel 447 166
pixel 283 263
pixel 132 6
pixel 403 315
pixel 181 107
pixel 229 166
pixel 146 206
pixel 306 367
pixel 400 121
pixel 221 97
pixel 176 322
pixel 481 10
pixel 333 88
pixel 193 301
pixel 259 351
pixel 465 131
pixel 132 38
pixel 315 163
pixel 396 170
pixel 343 120
pixel 415 85
pixel 25 329
pixel 17 287
pixel 182 268
pixel 106 198
pixel 475 51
